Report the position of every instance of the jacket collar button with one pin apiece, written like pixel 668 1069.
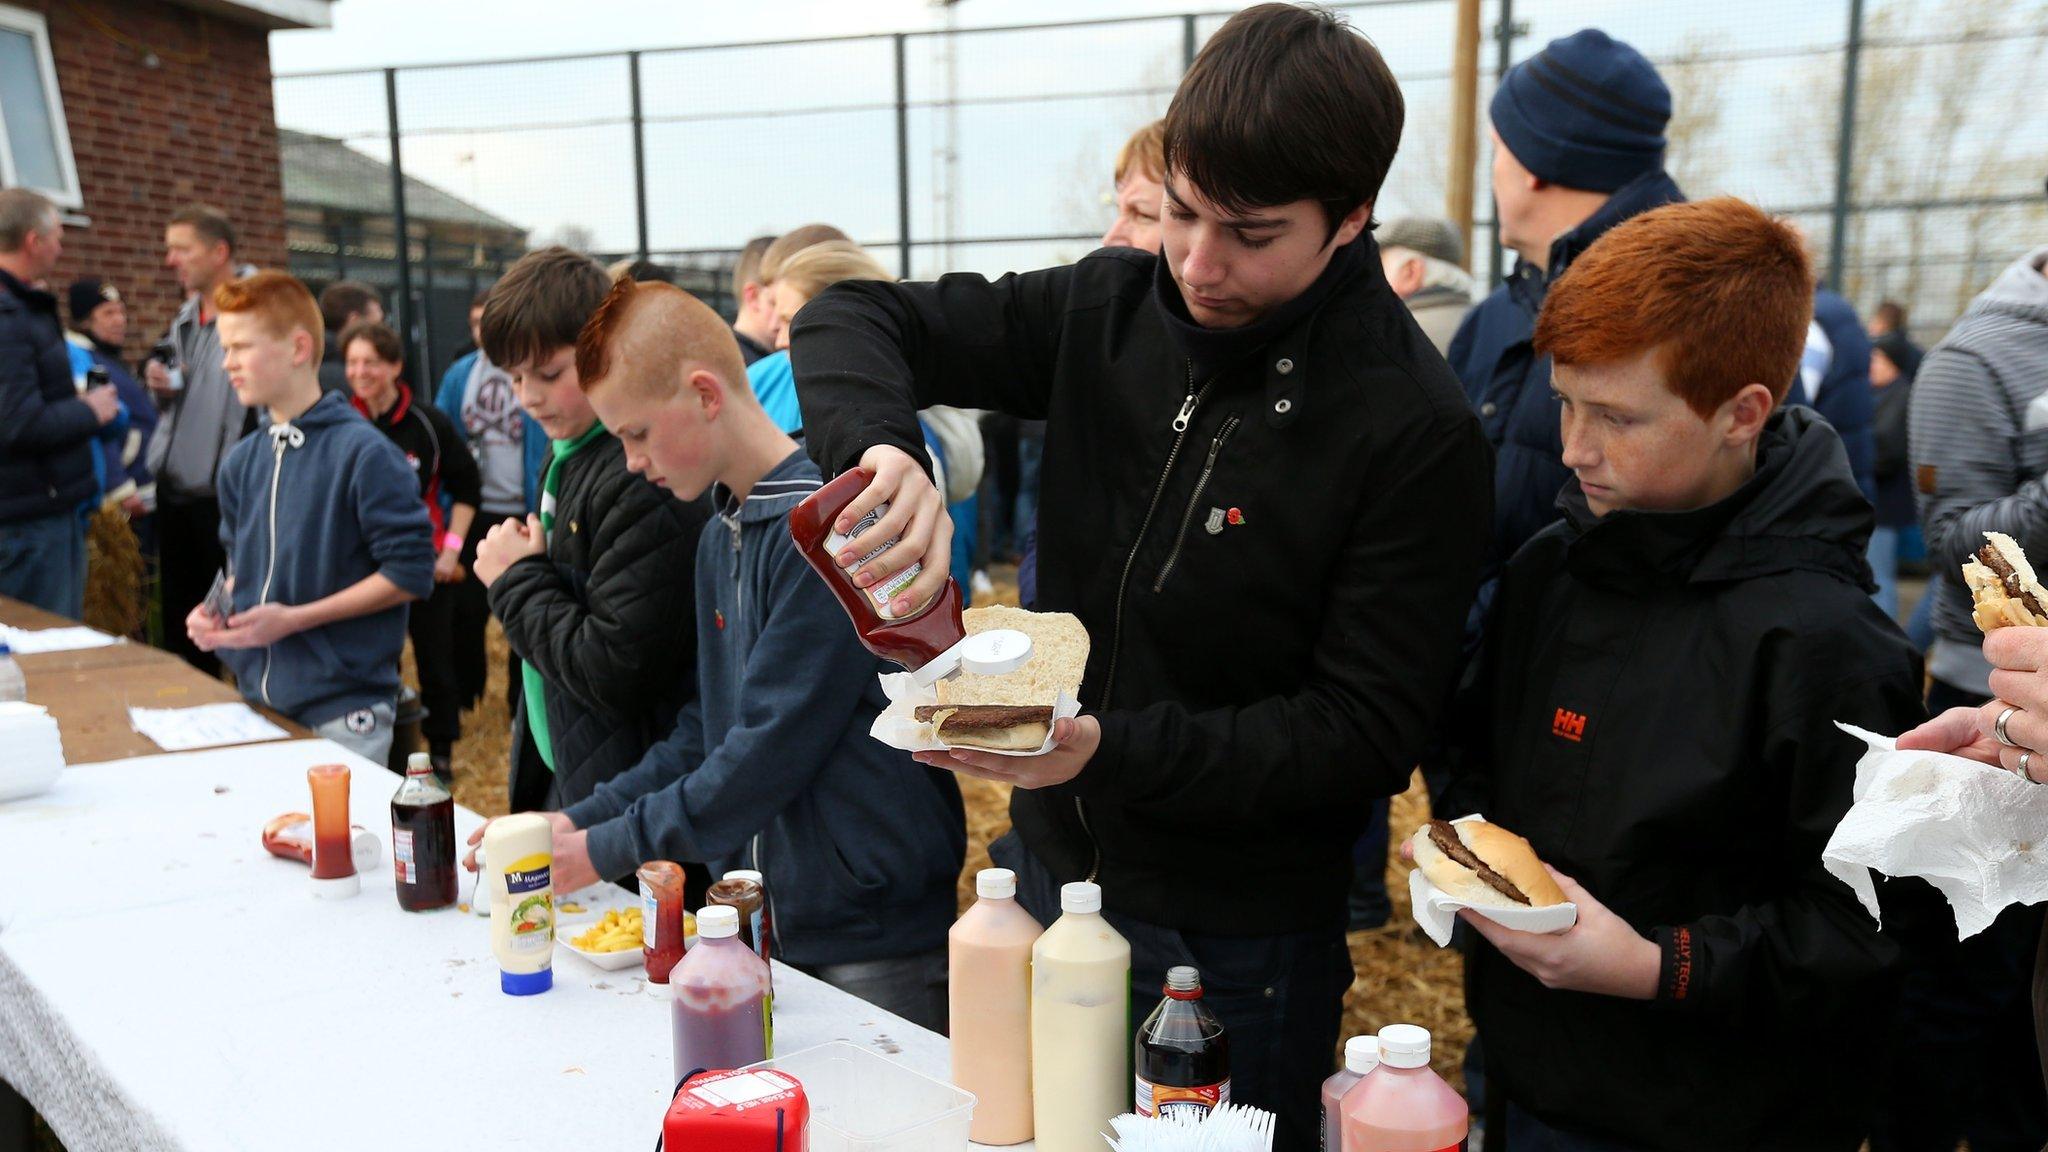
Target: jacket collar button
pixel 1283 366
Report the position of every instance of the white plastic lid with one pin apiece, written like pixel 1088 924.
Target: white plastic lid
pixel 419 764
pixel 1403 1046
pixel 996 652
pixel 1362 1054
pixel 663 992
pixel 718 922
pixel 995 884
pixel 745 874
pixel 1081 897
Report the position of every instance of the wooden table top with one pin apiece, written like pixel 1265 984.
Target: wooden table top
pixel 89 690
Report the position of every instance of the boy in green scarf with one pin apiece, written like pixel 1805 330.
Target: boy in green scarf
pixel 594 592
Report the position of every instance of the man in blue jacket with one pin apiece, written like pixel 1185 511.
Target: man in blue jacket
pixel 1578 147
pixel 47 427
pixel 326 537
pixel 772 766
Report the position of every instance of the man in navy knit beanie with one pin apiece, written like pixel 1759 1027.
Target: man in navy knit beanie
pixel 1578 147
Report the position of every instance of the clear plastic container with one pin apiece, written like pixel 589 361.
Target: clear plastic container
pixel 863 1102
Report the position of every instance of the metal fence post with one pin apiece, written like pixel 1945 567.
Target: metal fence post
pixel 1504 36
pixel 902 155
pixel 1187 42
pixel 401 229
pixel 639 156
pixel 1845 146
pixel 429 370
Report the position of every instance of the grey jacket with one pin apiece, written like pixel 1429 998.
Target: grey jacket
pixel 1979 436
pixel 205 419
pixel 1439 310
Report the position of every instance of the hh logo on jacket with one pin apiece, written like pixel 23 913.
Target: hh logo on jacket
pixel 1568 725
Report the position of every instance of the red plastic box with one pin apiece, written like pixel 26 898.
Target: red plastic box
pixel 763 1111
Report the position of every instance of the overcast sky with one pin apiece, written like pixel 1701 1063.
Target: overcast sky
pixel 384 32
pixel 741 142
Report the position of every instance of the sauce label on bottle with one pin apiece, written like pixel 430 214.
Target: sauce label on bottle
pixel 650 920
pixel 533 905
pixel 881 593
pixel 401 856
pixel 1165 1099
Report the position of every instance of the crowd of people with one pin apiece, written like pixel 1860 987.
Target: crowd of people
pixel 1606 555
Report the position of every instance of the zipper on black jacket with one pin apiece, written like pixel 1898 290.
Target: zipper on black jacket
pixel 1180 434
pixel 1188 518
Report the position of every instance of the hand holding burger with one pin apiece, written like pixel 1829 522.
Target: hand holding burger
pixel 1487 865
pixel 2011 606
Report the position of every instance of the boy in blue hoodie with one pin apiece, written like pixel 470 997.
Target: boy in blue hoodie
pixel 771 767
pixel 326 538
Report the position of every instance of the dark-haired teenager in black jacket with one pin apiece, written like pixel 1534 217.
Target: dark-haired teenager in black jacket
pixel 1263 494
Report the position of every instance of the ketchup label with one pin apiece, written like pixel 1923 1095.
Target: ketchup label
pixel 1196 1102
pixel 881 593
pixel 650 919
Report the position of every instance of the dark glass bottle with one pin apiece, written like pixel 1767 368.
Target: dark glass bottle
pixel 1182 1054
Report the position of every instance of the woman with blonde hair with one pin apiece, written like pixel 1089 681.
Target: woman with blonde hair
pixel 952 435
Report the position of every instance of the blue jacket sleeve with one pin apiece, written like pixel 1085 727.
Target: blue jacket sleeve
pixel 393 521
pixel 448 397
pixel 535 443
pixel 787 730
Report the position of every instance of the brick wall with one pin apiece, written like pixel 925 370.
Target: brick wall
pixel 198 125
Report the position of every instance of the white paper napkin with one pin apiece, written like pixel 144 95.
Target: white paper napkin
pixel 899 727
pixel 1978 834
pixel 1436 911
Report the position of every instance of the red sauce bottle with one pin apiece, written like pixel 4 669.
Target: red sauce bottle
pixel 661 918
pixel 913 640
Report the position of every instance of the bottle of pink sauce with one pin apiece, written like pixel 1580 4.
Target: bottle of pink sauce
pixel 989 951
pixel 1402 1106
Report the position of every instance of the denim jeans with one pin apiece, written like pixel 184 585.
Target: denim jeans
pixel 42 562
pixel 913 987
pixel 1370 907
pixel 1883 554
pixel 364 731
pixel 1280 997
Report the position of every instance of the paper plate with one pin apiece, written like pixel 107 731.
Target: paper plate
pixel 1436 911
pixel 566 933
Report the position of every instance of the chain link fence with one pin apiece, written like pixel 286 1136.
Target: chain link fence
pixel 990 149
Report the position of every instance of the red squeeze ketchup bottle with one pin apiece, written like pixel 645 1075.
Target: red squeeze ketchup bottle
pixel 931 641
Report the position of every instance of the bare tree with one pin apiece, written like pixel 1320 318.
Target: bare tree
pixel 1942 127
pixel 577 237
pixel 1696 82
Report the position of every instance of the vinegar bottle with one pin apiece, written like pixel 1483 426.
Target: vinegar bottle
pixel 1182 1052
pixel 423 838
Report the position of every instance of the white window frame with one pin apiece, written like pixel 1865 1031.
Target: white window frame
pixel 37 30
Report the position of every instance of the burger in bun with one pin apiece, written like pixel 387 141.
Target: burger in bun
pixel 2003 589
pixel 1012 712
pixel 1483 865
